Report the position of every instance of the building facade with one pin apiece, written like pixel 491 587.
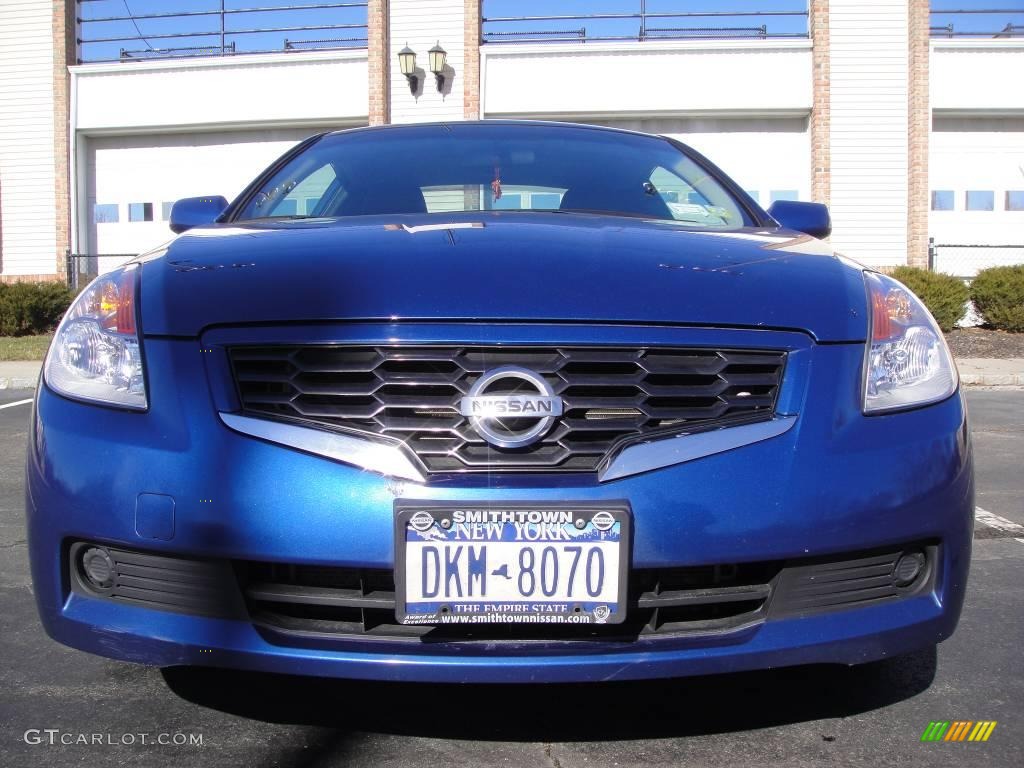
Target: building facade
pixel 906 128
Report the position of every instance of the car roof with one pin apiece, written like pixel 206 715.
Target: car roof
pixel 556 124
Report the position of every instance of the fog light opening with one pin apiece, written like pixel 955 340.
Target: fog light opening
pixel 908 568
pixel 98 567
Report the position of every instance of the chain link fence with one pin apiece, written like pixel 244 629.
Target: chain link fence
pixel 965 261
pixel 81 268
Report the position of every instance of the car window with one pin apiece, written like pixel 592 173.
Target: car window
pixel 300 196
pixel 687 203
pixel 473 167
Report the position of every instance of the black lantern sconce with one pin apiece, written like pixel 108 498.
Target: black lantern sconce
pixel 407 66
pixel 438 57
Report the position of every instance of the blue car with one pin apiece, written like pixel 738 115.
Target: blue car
pixel 498 402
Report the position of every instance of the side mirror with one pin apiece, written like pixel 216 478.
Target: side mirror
pixel 195 211
pixel 810 218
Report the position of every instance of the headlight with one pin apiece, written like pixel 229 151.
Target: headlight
pixel 908 363
pixel 95 354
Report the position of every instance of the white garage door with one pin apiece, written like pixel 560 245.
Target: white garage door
pixel 768 157
pixel 132 181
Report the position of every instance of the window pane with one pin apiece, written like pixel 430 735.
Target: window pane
pixel 755 194
pixel 165 211
pixel 1015 200
pixel 140 211
pixel 508 203
pixel 306 193
pixel 784 194
pixel 545 201
pixel 942 200
pixel 287 207
pixel 105 213
pixel 980 200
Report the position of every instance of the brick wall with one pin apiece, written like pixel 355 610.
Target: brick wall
pixel 47 278
pixel 378 44
pixel 919 126
pixel 471 65
pixel 821 174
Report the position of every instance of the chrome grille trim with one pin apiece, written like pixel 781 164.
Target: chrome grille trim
pixel 619 402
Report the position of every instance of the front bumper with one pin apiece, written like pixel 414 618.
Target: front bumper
pixel 836 483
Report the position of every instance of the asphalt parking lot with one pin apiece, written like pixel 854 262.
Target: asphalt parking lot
pixel 794 717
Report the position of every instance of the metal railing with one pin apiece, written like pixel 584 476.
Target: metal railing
pixel 977 23
pixel 109 30
pixel 638 20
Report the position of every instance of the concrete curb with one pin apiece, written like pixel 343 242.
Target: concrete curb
pixel 992 379
pixel 985 372
pixel 20 374
pixel 14 383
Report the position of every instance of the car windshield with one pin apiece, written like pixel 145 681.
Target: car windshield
pixel 499 167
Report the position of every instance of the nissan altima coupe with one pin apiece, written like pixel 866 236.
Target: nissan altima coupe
pixel 498 402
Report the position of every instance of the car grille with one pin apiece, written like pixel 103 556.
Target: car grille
pixel 610 395
pixel 346 602
pixel 311 605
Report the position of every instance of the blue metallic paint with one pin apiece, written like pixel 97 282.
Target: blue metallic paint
pixel 836 482
pixel 572 268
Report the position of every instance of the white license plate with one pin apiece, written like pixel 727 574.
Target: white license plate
pixel 520 564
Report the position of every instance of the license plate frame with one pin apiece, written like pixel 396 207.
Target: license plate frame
pixel 580 612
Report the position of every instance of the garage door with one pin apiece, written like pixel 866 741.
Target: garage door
pixel 768 157
pixel 133 180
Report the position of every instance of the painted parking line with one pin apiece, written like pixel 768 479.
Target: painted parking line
pixel 16 402
pixel 1012 529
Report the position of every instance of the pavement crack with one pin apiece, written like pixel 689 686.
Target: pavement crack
pixel 13 544
pixel 554 761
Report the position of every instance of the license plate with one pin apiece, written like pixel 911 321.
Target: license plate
pixel 521 564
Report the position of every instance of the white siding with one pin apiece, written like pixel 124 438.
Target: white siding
pixel 28 239
pixel 649 78
pixel 869 69
pixel 977 76
pixel 422 24
pixel 298 88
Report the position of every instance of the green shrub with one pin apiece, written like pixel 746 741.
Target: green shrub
pixel 28 308
pixel 998 294
pixel 944 295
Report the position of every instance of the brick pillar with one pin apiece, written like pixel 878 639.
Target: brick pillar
pixel 65 53
pixel 919 127
pixel 378 44
pixel 821 173
pixel 471 65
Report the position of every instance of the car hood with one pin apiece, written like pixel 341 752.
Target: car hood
pixel 512 266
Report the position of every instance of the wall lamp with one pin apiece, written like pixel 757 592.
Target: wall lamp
pixel 407 65
pixel 438 57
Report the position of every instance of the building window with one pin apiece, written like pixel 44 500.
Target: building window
pixel 1015 200
pixel 140 211
pixel 942 200
pixel 981 200
pixel 165 211
pixel 105 213
pixel 784 194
